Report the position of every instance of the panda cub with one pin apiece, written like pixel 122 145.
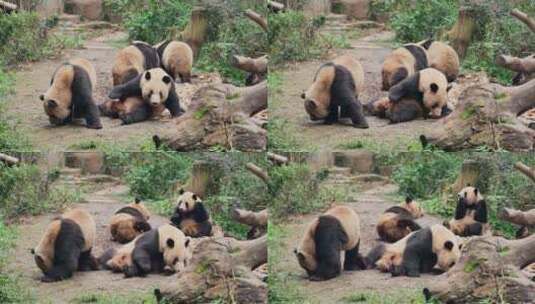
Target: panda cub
pixel 336 230
pixel 132 61
pixel 164 249
pixel 402 63
pixel 176 58
pixel 70 94
pixel 66 246
pixel 129 221
pixel 429 87
pixel 191 216
pixel 336 86
pixel 470 214
pixel 442 57
pixel 419 252
pixel 156 88
pixel 398 221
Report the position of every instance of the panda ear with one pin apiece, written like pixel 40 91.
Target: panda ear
pixel 303 95
pixel 170 243
pixel 186 244
pixel 147 75
pixel 137 200
pixel 408 200
pixel 475 191
pixel 468 185
pixel 448 245
pixel 42 97
pixel 195 197
pixel 181 191
pixel 32 251
pixel 434 87
pixel 166 79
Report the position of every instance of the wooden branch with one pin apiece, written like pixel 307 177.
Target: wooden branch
pixel 524 65
pixel 257 171
pixel 250 218
pixel 526 170
pixel 10 160
pixel 275 6
pixel 277 159
pixel 257 19
pixel 524 18
pixel 522 218
pixel 8 6
pixel 253 65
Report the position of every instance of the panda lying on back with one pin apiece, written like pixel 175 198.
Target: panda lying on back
pixel 326 237
pixel 336 87
pixel 417 253
pixel 70 94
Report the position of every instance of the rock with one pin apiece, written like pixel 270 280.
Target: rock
pixel 360 161
pixel 89 162
pixel 89 9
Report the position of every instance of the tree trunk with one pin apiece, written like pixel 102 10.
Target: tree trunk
pixel 195 32
pixel 489 268
pixel 461 33
pixel 221 269
pixel 487 116
pixel 470 174
pixel 220 115
pixel 202 179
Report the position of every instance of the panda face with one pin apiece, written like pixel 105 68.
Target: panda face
pixel 155 85
pixel 175 247
pixel 448 255
pixel 186 202
pixel 315 109
pixel 470 195
pixel 306 260
pixel 317 98
pixel 56 106
pixel 433 86
pixel 414 208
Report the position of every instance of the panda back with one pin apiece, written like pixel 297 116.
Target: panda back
pixel 350 222
pixel 86 223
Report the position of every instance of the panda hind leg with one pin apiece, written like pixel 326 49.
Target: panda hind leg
pixel 353 260
pixel 87 262
pixel 356 112
pixel 140 114
pixel 332 117
pixel 402 113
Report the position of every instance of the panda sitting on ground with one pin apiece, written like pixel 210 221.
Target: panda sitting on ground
pixel 403 63
pixel 129 221
pixel 156 88
pixel 66 246
pixel 398 221
pixel 419 252
pixel 470 214
pixel 176 59
pixel 164 249
pixel 336 230
pixel 191 216
pixel 70 95
pixel 336 86
pixel 442 57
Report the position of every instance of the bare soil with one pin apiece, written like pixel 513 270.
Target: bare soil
pixel 102 204
pixel 369 202
pixel 288 105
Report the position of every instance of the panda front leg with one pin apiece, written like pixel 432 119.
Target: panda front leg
pixel 87 261
pixel 356 112
pixel 173 104
pixel 353 260
pixel 141 264
pixel 92 116
pixel 332 117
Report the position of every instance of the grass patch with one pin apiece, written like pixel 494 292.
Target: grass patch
pixel 401 296
pixel 135 298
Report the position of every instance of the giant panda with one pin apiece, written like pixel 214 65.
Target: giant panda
pixel 337 85
pixel 396 112
pixel 398 221
pixel 129 221
pixel 429 87
pixel 403 62
pixel 132 61
pixel 418 252
pixel 131 109
pixel 191 216
pixel 66 246
pixel 336 230
pixel 470 213
pixel 156 88
pixel 176 59
pixel 442 57
pixel 70 94
pixel 164 249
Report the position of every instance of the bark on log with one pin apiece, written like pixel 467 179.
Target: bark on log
pixel 489 268
pixel 195 32
pixel 522 218
pixel 10 160
pixel 277 159
pixel 487 116
pixel 252 65
pixel 257 18
pixel 524 18
pixel 221 269
pixel 461 33
pixel 219 115
pixel 257 171
pixel 526 170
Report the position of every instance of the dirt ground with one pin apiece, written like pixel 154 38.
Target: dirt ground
pixel 101 204
pixel 369 204
pixel 288 105
pixel 33 79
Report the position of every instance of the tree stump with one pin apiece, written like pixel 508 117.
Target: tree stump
pixel 470 173
pixel 461 33
pixel 203 178
pixel 489 268
pixel 195 32
pixel 487 116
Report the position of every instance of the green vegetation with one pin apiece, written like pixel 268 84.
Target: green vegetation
pixel 496 32
pixel 137 298
pixel 402 296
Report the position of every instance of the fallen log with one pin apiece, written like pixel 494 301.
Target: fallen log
pixel 525 67
pixel 258 221
pixel 486 116
pixel 526 170
pixel 257 18
pixel 490 268
pixel 523 17
pixel 522 218
pixel 277 159
pixel 10 160
pixel 275 7
pixel 221 269
pixel 252 65
pixel 8 7
pixel 257 171
pixel 220 115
